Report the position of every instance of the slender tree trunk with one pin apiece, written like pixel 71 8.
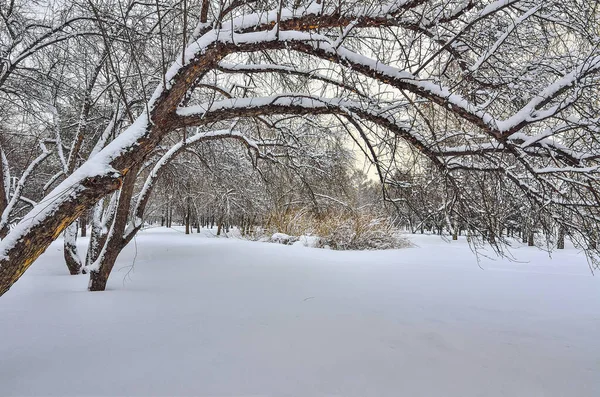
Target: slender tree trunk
pixel 70 249
pixel 188 211
pixel 83 224
pixel 491 236
pixel 454 230
pixel 561 238
pixel 4 194
pixel 97 235
pixel 530 239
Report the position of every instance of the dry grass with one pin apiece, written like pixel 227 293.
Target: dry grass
pixel 339 229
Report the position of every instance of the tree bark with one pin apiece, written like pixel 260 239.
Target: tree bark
pixel 115 242
pixel 70 249
pixel 530 239
pixel 97 235
pixel 561 238
pixel 188 211
pixel 83 224
pixel 4 195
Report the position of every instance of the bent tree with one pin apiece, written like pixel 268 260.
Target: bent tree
pixel 486 90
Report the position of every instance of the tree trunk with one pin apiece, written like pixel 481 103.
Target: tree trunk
pixel 115 241
pixel 454 230
pixel 561 238
pixel 530 239
pixel 70 249
pixel 83 224
pixel 491 236
pixel 167 214
pixel 99 278
pixel 4 195
pixel 187 215
pixel 97 236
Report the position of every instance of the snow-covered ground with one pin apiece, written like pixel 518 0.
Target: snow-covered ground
pixel 224 317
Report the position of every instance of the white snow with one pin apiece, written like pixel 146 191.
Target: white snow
pixel 281 238
pixel 308 241
pixel 226 317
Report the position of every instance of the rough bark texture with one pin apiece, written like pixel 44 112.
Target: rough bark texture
pixel 96 234
pixel 560 244
pixel 115 242
pixel 70 249
pixel 530 239
pixel 83 224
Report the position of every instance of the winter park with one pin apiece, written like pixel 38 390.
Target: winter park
pixel 300 198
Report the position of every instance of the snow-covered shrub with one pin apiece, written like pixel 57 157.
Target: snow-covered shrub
pixel 283 238
pixel 359 231
pixel 337 229
pixel 310 241
pixel 290 222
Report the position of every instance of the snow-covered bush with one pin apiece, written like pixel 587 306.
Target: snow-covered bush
pixel 337 229
pixel 283 238
pixel 359 231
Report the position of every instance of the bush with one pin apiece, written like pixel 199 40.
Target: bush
pixel 337 229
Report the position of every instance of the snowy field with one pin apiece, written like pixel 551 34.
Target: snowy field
pixel 204 316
